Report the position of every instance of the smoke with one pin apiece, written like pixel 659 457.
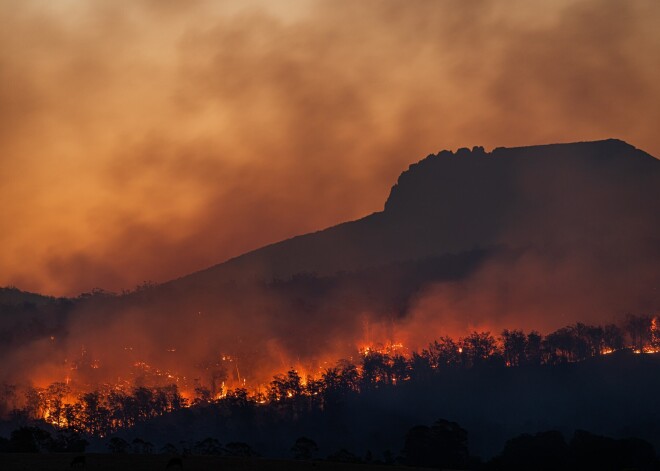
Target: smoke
pixel 586 247
pixel 534 291
pixel 149 141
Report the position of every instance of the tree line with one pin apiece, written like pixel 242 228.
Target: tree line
pixel 441 445
pixel 108 409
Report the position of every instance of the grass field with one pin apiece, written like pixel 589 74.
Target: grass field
pixel 127 462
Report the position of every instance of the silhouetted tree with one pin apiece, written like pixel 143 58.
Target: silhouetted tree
pixel 136 445
pixel 169 449
pixel 120 405
pixel 54 397
pixel 95 414
pixel 613 337
pixel 343 456
pixel 208 446
pixel 304 448
pixel 35 406
pixel 443 445
pixel 69 441
pixel 202 395
pixel 171 398
pixel 588 341
pixel 477 348
pixel 546 451
pixel 338 382
pixel 30 440
pixel 239 449
pixel 142 446
pixel 420 367
pixel 73 416
pixel 533 349
pixel 639 330
pixel 285 387
pixel 376 368
pixel 560 345
pixel 349 376
pixel 514 344
pixel 443 353
pixel 400 369
pixel 143 400
pixel 118 445
pixel 313 392
pixel 239 404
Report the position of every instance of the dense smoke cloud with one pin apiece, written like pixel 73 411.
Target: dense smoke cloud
pixel 151 140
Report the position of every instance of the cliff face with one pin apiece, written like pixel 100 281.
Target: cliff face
pixel 554 194
pixel 466 177
pixel 605 193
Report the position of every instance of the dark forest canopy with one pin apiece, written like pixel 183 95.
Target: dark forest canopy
pixel 386 385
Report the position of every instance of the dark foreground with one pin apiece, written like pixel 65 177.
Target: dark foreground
pixel 131 462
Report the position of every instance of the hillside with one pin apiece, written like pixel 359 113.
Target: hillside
pixel 452 202
pixel 533 238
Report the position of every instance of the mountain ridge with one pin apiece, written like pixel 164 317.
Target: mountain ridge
pixel 455 186
pixel 518 241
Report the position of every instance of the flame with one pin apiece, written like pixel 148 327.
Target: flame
pixel 388 348
pixel 81 375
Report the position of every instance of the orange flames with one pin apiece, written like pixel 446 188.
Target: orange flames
pixel 57 399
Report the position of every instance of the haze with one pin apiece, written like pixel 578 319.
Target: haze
pixel 146 140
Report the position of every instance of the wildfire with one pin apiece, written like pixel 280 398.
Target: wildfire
pixel 653 345
pixel 647 350
pixel 69 400
pixel 390 348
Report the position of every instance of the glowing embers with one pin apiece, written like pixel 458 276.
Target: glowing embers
pixel 646 341
pixel 390 348
pixel 647 350
pixel 98 396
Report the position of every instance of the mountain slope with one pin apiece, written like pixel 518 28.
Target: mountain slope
pixel 452 202
pixel 525 238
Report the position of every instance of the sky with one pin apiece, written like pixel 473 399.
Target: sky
pixel 145 140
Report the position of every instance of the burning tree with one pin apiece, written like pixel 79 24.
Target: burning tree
pixel 639 330
pixel 477 348
pixel 514 344
pixel 442 353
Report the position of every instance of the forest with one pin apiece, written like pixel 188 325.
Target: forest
pixel 341 408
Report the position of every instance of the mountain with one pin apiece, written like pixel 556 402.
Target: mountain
pixel 550 195
pixel 531 237
pixel 525 238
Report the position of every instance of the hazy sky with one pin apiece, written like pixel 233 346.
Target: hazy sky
pixel 147 139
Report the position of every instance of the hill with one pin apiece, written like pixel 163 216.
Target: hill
pixel 532 237
pixel 451 202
